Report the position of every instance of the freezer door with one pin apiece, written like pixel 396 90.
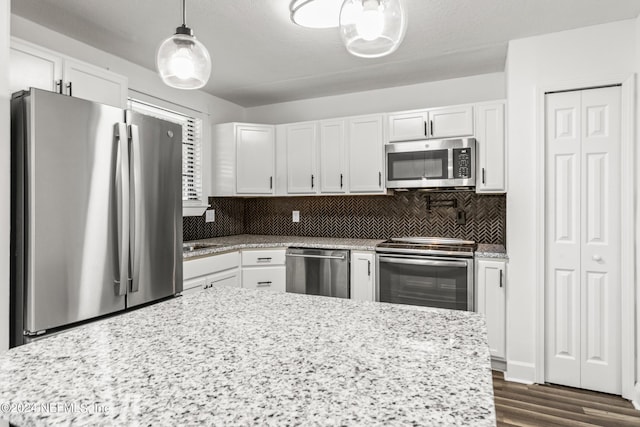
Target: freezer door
pixel 70 232
pixel 156 203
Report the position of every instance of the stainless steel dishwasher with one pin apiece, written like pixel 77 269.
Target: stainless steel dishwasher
pixel 318 272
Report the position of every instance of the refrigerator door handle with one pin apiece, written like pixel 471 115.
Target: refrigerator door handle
pixel 136 210
pixel 122 207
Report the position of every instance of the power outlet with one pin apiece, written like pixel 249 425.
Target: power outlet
pixel 296 216
pixel 211 216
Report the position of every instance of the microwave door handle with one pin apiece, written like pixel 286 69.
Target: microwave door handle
pixel 423 262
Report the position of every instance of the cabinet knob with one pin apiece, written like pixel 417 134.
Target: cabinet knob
pixel 596 258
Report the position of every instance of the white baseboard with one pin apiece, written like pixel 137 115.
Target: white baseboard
pixel 636 396
pixel 520 372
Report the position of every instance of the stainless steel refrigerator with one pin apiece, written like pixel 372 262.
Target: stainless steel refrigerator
pixel 96 211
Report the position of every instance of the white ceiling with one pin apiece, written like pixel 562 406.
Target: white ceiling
pixel 260 57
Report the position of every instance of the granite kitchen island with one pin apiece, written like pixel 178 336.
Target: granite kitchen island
pixel 243 357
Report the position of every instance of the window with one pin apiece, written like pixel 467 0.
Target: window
pixel 191 149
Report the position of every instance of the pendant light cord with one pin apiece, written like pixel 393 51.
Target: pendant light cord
pixel 184 13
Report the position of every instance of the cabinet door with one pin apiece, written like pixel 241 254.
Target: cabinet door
pixel 30 66
pixel 363 276
pixel 450 122
pixel 366 155
pixel 490 136
pixel 193 285
pixel 302 177
pixel 491 285
pixel 408 126
pixel 255 145
pixel 96 84
pixel 229 278
pixel 265 278
pixel 333 156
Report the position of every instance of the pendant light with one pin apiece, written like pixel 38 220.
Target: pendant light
pixel 372 28
pixel 183 62
pixel 316 13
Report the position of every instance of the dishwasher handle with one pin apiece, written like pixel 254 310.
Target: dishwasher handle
pixel 425 262
pixel 341 257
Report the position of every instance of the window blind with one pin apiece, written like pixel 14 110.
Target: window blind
pixel 191 148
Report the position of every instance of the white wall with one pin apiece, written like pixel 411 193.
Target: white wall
pixel 586 54
pixel 5 176
pixel 485 87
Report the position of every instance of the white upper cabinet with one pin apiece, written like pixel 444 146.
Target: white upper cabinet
pixel 255 147
pixel 451 122
pixel 30 66
pixel 490 137
pixel 409 126
pixel 34 66
pixel 94 83
pixel 302 147
pixel 333 156
pixel 366 154
pixel 435 123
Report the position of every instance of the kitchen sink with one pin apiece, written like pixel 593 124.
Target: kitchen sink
pixel 190 247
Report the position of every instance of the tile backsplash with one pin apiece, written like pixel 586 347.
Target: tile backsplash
pixel 373 217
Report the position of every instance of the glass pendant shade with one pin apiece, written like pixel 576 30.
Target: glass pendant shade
pixel 372 28
pixel 183 62
pixel 316 13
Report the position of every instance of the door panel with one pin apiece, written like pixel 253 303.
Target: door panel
pixel 302 177
pixel 600 251
pixel 255 147
pixel 583 239
pixel 156 165
pixel 366 155
pixel 72 155
pixel 332 157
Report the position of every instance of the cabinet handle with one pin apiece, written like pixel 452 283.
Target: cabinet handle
pixel 431 126
pixel 380 179
pixel 500 278
pixel 70 87
pixel 369 268
pixel 59 86
pixel 264 283
pixel 483 176
pixel 266 259
pixel 270 183
pixel 312 181
pixel 426 131
pixel 341 180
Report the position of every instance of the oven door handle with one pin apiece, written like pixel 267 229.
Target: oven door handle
pixel 425 262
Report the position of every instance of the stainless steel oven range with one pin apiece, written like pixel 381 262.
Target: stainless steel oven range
pixel 426 271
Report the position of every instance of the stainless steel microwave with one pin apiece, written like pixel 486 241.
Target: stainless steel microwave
pixel 446 163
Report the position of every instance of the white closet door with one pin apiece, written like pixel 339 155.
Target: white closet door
pixel 601 240
pixel 583 239
pixel 562 325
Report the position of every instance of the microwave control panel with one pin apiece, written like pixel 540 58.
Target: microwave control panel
pixel 462 163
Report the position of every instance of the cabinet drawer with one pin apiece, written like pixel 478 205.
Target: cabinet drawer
pixel 266 257
pixel 271 278
pixel 229 279
pixel 210 265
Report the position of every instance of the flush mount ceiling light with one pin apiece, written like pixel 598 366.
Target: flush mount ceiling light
pixel 316 13
pixel 372 28
pixel 183 62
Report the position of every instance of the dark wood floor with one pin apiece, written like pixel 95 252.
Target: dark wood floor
pixel 552 405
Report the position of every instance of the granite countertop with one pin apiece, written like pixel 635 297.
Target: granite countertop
pixel 229 356
pixel 253 241
pixel 491 251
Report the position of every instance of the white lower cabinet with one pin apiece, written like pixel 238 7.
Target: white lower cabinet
pixel 264 269
pixel 214 270
pixel 491 281
pixel 363 280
